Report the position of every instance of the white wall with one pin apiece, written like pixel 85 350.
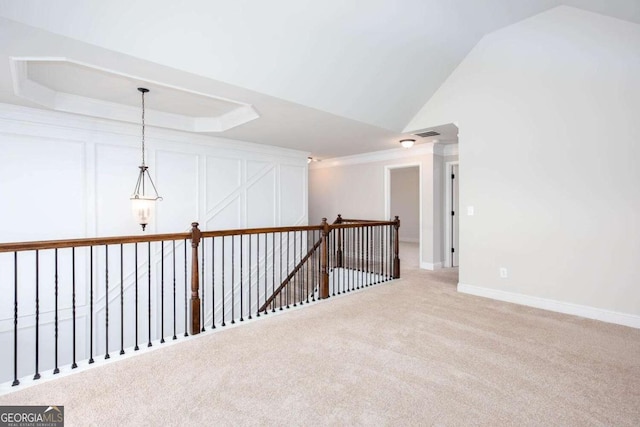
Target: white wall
pixel 405 201
pixel 547 111
pixel 65 176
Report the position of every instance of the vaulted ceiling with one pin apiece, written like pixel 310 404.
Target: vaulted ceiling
pixel 332 77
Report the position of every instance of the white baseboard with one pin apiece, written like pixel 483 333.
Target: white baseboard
pixel 430 266
pixel 608 316
pixel 409 240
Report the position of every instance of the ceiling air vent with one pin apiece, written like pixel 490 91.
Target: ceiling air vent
pixel 427 134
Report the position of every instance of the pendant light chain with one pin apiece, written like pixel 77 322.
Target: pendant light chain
pixel 143 164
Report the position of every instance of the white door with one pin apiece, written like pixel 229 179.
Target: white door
pixel 454 216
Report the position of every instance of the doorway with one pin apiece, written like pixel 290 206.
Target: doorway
pixel 403 191
pixel 452 214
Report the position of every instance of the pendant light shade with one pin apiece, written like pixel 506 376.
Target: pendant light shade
pixel 407 143
pixel 145 195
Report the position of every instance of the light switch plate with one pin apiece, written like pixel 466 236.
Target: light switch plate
pixel 471 210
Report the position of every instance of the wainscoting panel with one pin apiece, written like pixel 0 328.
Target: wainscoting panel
pixel 68 176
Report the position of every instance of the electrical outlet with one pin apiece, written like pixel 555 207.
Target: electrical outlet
pixel 503 273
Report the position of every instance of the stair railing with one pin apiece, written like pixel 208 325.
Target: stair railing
pixel 68 302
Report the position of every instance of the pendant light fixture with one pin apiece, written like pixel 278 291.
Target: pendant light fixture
pixel 143 201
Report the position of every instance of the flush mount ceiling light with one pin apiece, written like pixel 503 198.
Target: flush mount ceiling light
pixel 407 143
pixel 143 203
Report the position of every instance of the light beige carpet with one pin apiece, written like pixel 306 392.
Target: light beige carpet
pixel 413 352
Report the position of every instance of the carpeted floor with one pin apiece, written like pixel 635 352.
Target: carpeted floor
pixel 413 352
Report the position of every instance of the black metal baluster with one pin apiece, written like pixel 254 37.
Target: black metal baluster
pixel 352 262
pixel 374 251
pixel 249 292
pixel 121 299
pixel 356 237
pixel 354 258
pixel 315 274
pixel 362 266
pixel 347 260
pixel 309 265
pixel 273 270
pixel 347 264
pixel 390 250
pixel 345 257
pixel 266 270
pixel 342 264
pixel 374 248
pixel 358 231
pixel 382 254
pixel 224 297
pixel 380 246
pixel 296 277
pixel 15 320
pixel 149 292
pixel 36 376
pixel 202 277
pixel 136 348
pixel 233 279
pixel 288 266
pixel 361 280
pixel 365 259
pixel 173 261
pixel 241 275
pixel 301 276
pixel 161 292
pixel 73 307
pixel 56 370
pixel 312 265
pixel 258 276
pixel 213 283
pixel 368 242
pixel 106 301
pixel 332 262
pixel 280 270
pixel 385 273
pixel 186 327
pixel 91 304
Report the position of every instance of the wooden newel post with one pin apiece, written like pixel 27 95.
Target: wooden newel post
pixel 340 232
pixel 324 260
pixel 396 249
pixel 195 280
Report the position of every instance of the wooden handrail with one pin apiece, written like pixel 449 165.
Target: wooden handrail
pixel 245 231
pixel 116 240
pixel 359 220
pixel 356 225
pixel 91 241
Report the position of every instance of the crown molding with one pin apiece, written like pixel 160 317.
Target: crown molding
pixel 386 155
pixel 48 121
pixel 375 156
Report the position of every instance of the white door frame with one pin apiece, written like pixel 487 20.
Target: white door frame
pixel 448 262
pixel 387 197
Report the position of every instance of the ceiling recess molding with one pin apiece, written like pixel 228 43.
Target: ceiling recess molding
pixel 62 84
